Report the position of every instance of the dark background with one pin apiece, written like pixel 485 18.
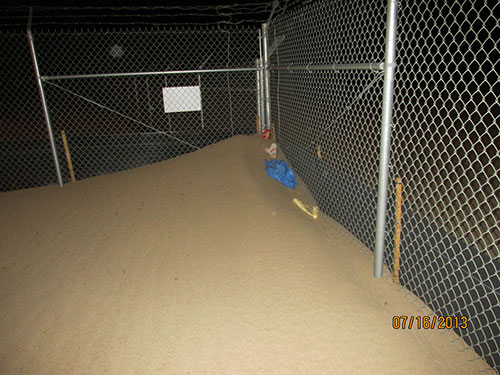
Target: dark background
pixel 222 12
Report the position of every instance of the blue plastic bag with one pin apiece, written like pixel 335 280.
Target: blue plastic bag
pixel 281 172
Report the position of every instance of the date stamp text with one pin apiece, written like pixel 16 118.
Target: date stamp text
pixel 429 322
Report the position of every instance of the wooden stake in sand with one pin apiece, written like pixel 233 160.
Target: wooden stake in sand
pixel 258 124
pixel 397 230
pixel 68 157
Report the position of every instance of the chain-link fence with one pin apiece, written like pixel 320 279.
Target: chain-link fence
pixel 25 155
pixel 446 150
pixel 326 107
pixel 124 98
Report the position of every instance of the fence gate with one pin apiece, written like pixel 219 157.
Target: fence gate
pixel 131 98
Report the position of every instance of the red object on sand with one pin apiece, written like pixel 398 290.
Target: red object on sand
pixel 266 134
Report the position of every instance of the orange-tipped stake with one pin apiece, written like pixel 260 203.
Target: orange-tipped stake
pixel 68 157
pixel 397 230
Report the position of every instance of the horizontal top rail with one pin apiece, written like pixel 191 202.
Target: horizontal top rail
pixel 361 66
pixel 128 74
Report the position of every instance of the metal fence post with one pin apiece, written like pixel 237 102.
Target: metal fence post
pixel 266 73
pixel 260 72
pixel 229 83
pixel 44 101
pixel 277 86
pixel 257 85
pixel 385 137
pixel 261 96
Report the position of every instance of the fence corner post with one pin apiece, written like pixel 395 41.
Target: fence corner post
pixel 385 135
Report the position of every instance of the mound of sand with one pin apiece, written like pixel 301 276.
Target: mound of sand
pixel 196 265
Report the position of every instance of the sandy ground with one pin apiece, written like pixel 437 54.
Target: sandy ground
pixel 196 265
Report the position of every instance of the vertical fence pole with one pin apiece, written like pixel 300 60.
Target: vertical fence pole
pixel 201 109
pixel 385 137
pixel 277 85
pixel 266 72
pixel 261 84
pixel 229 83
pixel 262 97
pixel 259 102
pixel 44 101
pixel 150 109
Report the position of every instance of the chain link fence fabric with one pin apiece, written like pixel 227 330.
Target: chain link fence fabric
pixel 446 150
pixel 445 138
pixel 327 121
pixel 104 91
pixel 25 154
pixel 445 141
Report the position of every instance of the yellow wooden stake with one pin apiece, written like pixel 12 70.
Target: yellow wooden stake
pixel 258 124
pixel 319 152
pixel 68 157
pixel 397 230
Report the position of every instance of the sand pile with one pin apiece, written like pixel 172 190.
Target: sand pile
pixel 196 265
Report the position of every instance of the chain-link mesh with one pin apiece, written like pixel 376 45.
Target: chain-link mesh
pixel 327 122
pixel 25 155
pixel 445 142
pixel 117 123
pixel 445 145
pixel 121 51
pixel 446 150
pixel 114 123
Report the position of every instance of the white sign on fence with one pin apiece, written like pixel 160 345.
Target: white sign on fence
pixel 182 99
